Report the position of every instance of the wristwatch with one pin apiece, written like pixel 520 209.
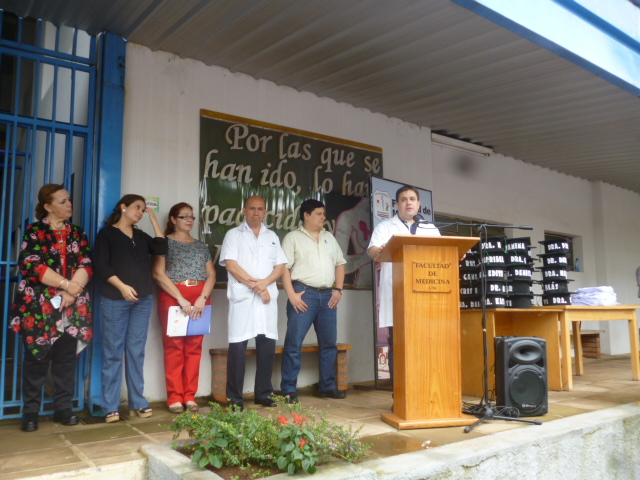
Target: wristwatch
pixel 338 289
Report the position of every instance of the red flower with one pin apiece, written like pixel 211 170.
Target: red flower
pixel 41 325
pixel 83 310
pixel 28 298
pixel 303 442
pixel 23 308
pixel 298 419
pixel 29 339
pixel 40 234
pixel 29 322
pixel 53 331
pixel 89 335
pixel 69 312
pixel 45 249
pixel 282 420
pixel 47 308
pixel 17 328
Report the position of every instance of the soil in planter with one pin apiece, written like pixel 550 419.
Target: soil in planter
pixel 251 472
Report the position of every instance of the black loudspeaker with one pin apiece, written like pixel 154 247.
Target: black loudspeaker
pixel 521 374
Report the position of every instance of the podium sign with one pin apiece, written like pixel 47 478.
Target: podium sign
pixel 426 311
pixel 432 277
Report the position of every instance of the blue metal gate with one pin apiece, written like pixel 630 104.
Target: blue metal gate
pixel 47 99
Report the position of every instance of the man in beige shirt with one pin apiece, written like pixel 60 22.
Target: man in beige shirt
pixel 313 280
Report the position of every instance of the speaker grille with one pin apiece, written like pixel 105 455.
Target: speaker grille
pixel 521 374
pixel 527 389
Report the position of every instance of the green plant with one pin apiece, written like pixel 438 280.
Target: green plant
pixel 296 445
pixel 293 438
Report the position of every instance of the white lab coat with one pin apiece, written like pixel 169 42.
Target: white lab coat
pixel 248 315
pixel 381 235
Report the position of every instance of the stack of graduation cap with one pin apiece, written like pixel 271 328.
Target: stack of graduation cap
pixel 519 272
pixel 470 288
pixel 492 255
pixel 555 272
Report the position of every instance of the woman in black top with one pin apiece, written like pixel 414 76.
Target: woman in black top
pixel 123 263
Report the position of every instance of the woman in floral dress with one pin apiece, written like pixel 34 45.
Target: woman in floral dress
pixel 51 309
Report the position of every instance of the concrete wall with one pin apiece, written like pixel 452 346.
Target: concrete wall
pixel 591 446
pixel 164 95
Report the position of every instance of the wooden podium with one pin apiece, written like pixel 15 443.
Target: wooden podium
pixel 426 312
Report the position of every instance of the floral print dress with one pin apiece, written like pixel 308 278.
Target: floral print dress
pixel 32 314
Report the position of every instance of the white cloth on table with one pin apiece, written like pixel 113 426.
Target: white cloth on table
pixel 595 296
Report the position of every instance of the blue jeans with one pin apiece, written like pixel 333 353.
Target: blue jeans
pixel 324 320
pixel 124 332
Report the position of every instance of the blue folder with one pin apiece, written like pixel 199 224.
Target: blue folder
pixel 202 326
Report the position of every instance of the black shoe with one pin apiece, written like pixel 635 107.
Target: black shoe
pixel 291 398
pixel 30 427
pixel 30 422
pixel 266 402
pixel 333 394
pixel 237 404
pixel 66 418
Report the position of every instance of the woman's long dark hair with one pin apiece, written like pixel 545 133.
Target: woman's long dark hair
pixel 127 200
pixel 175 210
pixel 45 197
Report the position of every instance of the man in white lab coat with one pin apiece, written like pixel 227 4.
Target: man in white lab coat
pixel 404 223
pixel 254 260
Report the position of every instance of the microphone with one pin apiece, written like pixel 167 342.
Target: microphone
pixel 417 219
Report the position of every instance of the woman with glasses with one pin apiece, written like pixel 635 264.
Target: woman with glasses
pixel 186 277
pixel 123 263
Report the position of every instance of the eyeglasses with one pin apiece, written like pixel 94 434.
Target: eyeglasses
pixel 186 217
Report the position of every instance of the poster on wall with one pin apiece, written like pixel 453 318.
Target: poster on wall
pixel 383 207
pixel 240 157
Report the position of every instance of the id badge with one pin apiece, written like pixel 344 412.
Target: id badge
pixel 56 302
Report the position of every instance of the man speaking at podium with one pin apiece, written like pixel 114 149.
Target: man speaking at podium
pixel 407 221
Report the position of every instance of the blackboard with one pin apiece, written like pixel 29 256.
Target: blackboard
pixel 240 157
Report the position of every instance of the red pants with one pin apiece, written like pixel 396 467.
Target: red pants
pixel 181 354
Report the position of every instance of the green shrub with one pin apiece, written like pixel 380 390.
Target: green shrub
pixel 293 438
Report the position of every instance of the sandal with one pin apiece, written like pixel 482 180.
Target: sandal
pixel 192 406
pixel 112 417
pixel 145 412
pixel 176 407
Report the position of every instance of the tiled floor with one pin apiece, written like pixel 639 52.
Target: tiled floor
pixel 55 448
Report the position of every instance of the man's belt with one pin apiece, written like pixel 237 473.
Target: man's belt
pixel 308 287
pixel 190 283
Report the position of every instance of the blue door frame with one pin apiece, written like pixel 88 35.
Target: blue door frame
pixel 61 121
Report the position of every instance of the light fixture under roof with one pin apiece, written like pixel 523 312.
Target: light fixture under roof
pixel 460 145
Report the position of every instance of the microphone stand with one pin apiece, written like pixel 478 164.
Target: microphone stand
pixel 486 408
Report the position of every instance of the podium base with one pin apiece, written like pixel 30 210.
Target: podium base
pixel 403 424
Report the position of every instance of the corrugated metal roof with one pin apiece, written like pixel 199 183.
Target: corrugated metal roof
pixel 432 63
